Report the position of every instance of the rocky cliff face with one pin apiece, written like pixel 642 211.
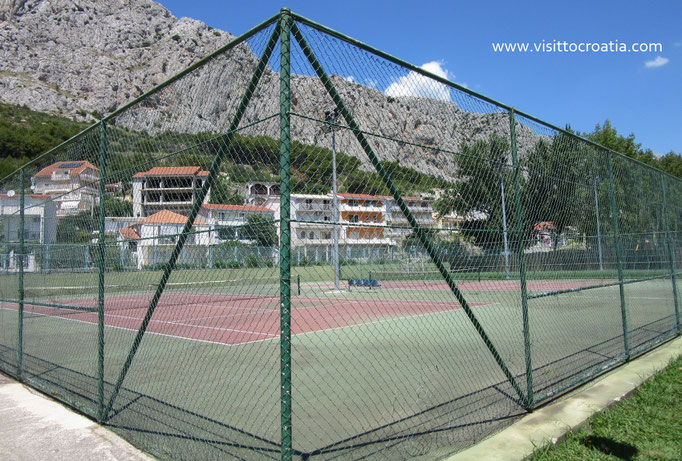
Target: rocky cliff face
pixel 78 57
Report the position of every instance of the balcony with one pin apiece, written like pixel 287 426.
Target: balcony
pixel 361 208
pixel 60 177
pixel 315 206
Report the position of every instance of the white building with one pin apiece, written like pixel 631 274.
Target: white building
pixel 258 192
pixel 167 188
pixel 40 226
pixel 152 239
pixel 228 220
pixel 73 186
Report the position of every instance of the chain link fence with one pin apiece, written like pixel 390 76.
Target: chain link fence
pixel 302 247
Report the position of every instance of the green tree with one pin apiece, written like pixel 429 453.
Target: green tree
pixel 77 228
pixel 260 229
pixel 477 191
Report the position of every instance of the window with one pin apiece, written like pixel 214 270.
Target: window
pixel 353 202
pixel 327 235
pixel 353 218
pixel 301 234
pixel 222 216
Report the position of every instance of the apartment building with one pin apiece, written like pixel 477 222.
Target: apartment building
pixel 40 226
pixel 258 192
pixel 167 188
pixel 73 186
pixel 228 220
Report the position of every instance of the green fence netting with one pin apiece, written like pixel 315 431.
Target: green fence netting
pixel 302 247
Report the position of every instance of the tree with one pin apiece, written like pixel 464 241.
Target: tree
pixel 260 229
pixel 557 183
pixel 476 194
pixel 223 192
pixel 77 228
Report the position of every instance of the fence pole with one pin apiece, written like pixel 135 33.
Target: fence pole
pixel 100 284
pixel 596 203
pixel 530 400
pixel 20 337
pixel 285 240
pixel 619 263
pixel 671 258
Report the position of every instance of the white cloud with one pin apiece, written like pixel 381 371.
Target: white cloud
pixel 417 85
pixel 658 62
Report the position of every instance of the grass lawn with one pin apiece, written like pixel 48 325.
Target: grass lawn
pixel 646 426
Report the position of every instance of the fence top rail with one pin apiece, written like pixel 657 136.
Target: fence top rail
pixel 345 38
pixel 419 70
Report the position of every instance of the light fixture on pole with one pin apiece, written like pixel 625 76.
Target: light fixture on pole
pixel 330 117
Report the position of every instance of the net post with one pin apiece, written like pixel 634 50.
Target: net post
pixel 530 401
pixel 671 258
pixel 423 236
pixel 20 326
pixel 285 233
pixel 101 268
pixel 619 262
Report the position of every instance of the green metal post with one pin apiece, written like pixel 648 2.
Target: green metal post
pixel 285 238
pixel 20 337
pixel 100 284
pixel 522 266
pixel 619 263
pixel 198 201
pixel 671 258
pixel 417 229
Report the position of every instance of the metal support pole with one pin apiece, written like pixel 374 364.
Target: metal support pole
pixel 423 236
pixel 599 244
pixel 671 258
pixel 285 239
pixel 20 337
pixel 504 224
pixel 335 214
pixel 530 400
pixel 619 263
pixel 100 284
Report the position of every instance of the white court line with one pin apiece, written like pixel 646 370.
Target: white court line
pixel 166 335
pixel 189 325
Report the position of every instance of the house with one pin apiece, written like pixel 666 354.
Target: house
pixel 167 188
pixel 258 192
pixel 40 220
pixel 40 227
pixel 73 186
pixel 228 220
pixel 153 238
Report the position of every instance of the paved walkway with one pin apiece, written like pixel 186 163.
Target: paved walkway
pixel 36 428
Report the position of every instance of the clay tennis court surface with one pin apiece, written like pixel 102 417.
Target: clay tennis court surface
pixel 233 319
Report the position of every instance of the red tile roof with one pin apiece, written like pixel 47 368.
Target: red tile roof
pixel 549 225
pixel 173 171
pixel 167 217
pixel 129 233
pixel 213 206
pixel 48 170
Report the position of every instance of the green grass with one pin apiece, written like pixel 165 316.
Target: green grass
pixel 648 426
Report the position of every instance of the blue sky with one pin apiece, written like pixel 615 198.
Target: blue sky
pixel 580 89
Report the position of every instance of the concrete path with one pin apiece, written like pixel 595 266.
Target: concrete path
pixel 36 428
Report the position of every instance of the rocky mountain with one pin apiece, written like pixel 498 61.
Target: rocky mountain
pixel 84 58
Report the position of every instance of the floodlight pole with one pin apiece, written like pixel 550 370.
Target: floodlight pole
pixel 331 117
pixel 504 224
pixel 596 202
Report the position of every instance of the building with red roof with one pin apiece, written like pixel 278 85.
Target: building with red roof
pixel 171 188
pixel 72 185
